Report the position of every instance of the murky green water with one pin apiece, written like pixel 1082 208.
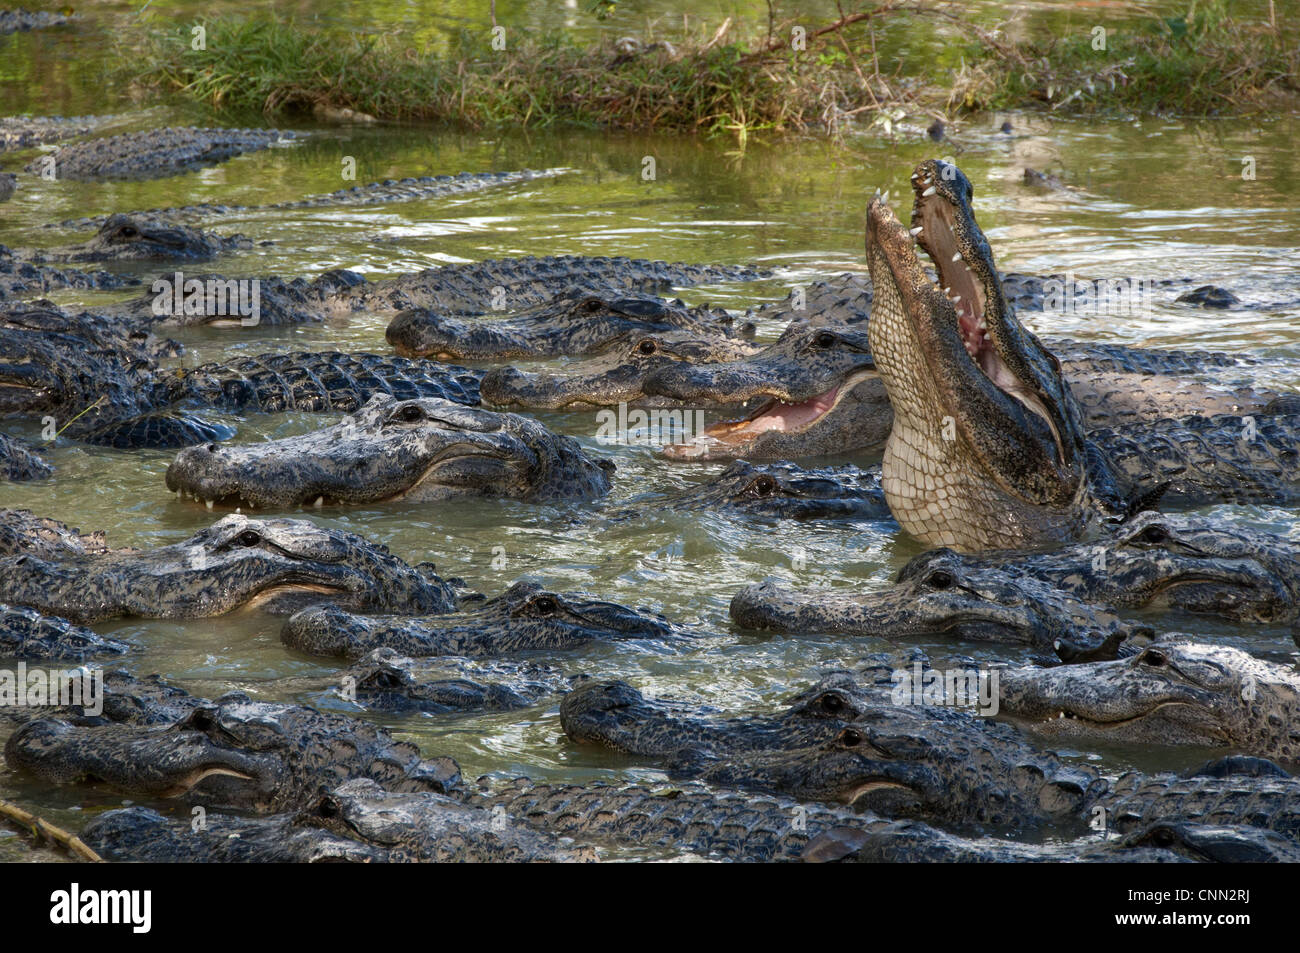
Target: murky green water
pixel 1156 199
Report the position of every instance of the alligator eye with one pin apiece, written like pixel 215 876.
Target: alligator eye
pixel 328 808
pixel 128 231
pixel 1163 837
pixel 850 738
pixel 546 605
pixel 833 702
pixel 764 485
pixel 410 414
pixel 1153 658
pixel 248 538
pixel 592 305
pixel 647 347
pixel 1155 533
pixel 940 579
pixel 825 339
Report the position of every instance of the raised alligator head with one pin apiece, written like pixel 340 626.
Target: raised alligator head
pixel 422 450
pixel 277 564
pixel 229 753
pixel 1171 693
pixel 524 618
pixel 616 376
pixel 141 237
pixel 574 323
pixel 986 450
pixel 813 385
pixel 938 595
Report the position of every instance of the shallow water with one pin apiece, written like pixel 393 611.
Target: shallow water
pixel 1154 199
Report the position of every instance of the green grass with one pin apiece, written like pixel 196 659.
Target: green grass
pixel 1204 63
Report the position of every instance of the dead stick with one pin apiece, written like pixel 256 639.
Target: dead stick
pixel 39 827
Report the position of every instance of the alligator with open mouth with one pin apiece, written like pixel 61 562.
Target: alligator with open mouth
pixel 843 741
pixel 946 598
pixel 524 618
pixel 229 753
pixel 105 386
pixel 418 451
pixel 1170 693
pixel 279 564
pixel 152 153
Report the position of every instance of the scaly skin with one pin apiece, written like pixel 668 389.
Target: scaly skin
pixel 1163 561
pixel 23 532
pixel 577 322
pixel 231 753
pixel 948 598
pixel 155 153
pixel 18 462
pixel 20 21
pixel 374 193
pixel 386 680
pixel 419 451
pixel 20 278
pixel 23 132
pixel 281 564
pixel 26 634
pixel 523 618
pixel 780 490
pixel 1171 693
pixel 614 377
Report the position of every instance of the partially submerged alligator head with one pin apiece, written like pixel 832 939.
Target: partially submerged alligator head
pixel 1171 693
pixel 987 446
pixel 937 595
pixel 573 323
pixel 278 564
pixel 803 382
pixel 142 237
pixel 414 450
pixel 524 618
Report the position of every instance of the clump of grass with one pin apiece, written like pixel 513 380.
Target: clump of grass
pixel 1203 63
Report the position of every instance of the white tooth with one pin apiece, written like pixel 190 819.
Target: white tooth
pixel 983 325
pixel 915 231
pixel 928 192
pixel 208 503
pixel 885 197
pixel 956 256
pixel 236 509
pixel 914 176
pixel 1061 715
pixel 320 501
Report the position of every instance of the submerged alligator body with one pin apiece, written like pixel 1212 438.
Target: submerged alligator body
pixel 153 153
pixel 26 634
pixel 523 618
pixel 279 564
pixel 23 132
pixel 106 386
pixel 20 21
pixel 21 278
pixel 1171 693
pixel 418 451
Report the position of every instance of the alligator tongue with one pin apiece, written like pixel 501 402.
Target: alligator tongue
pixel 776 415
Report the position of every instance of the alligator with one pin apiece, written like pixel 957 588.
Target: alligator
pixel 388 191
pixel 418 451
pixel 577 322
pixel 8 185
pixel 230 753
pixel 949 599
pixel 99 391
pixel 23 132
pixel 1161 561
pixel 447 291
pixel 134 237
pixel 19 277
pixel 23 532
pixel 153 153
pixel 524 618
pixel 818 392
pixel 837 743
pixel 20 462
pixel 386 680
pixel 278 564
pixel 615 376
pixel 356 822
pixel 20 21
pixel 126 699
pixel 781 490
pixel 26 634
pixel 1170 693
